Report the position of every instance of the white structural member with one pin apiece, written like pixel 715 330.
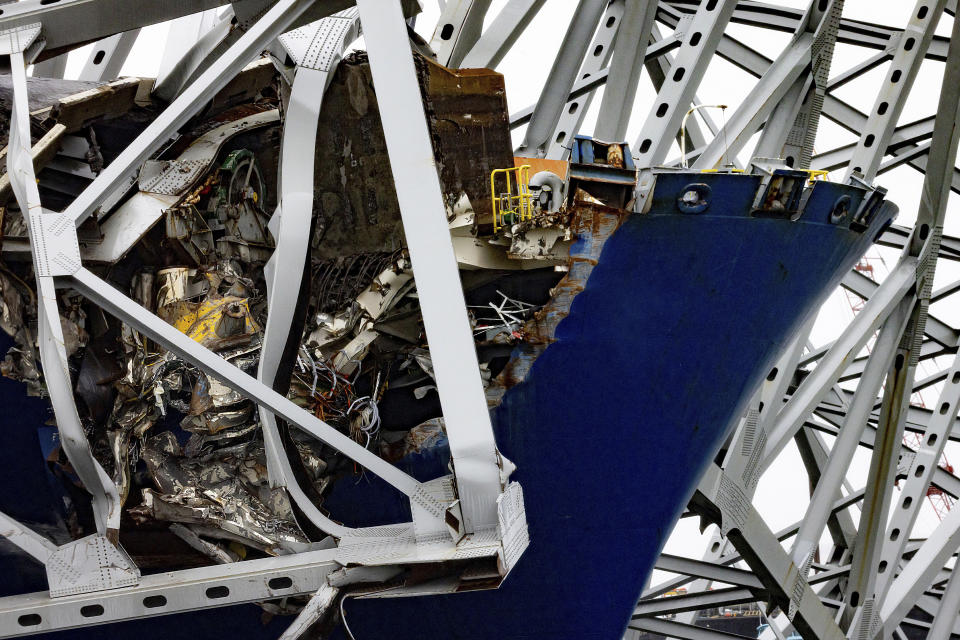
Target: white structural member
pixel 864 584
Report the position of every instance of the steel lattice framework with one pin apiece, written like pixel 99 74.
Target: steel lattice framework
pixel 869 578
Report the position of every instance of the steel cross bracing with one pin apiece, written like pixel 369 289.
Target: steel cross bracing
pixel 865 583
pixel 486 517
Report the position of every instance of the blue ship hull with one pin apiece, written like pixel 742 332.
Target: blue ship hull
pixel 615 420
pixel 681 318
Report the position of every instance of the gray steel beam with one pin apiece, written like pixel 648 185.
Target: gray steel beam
pixel 107 57
pixel 71 23
pixel 170 592
pixel 918 573
pixel 692 602
pixel 628 59
pixel 561 79
pixel 946 618
pixel 497 40
pixel 63 246
pixel 830 367
pixel 458 30
pixel 781 18
pixel 936 329
pixel 678 630
pixel 709 570
pixel 118 305
pixel 457 372
pixel 290 226
pixel 881 477
pixel 596 59
pixel 718 498
pixel 841 454
pixel 700 40
pixel 910 52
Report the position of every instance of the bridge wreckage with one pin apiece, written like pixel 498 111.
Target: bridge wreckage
pixel 316 337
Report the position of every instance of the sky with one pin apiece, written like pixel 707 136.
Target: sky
pixel 783 492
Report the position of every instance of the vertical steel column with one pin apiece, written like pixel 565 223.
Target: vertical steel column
pixel 412 163
pixel 290 226
pixel 628 55
pixel 922 468
pixel 803 134
pixel 846 444
pixel 879 485
pixel 107 57
pixel 560 81
pixel 790 131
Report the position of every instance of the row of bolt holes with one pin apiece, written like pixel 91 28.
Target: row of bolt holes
pixel 881 109
pixel 612 20
pixel 154 602
pixel 908 500
pixel 677 76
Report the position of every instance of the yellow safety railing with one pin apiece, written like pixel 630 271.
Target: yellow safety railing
pixel 513 204
pixel 816 175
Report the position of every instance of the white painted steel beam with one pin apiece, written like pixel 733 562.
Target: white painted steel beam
pixel 54 251
pixel 118 305
pixel 170 592
pixel 675 96
pixel 291 225
pixel 595 60
pixel 118 173
pixel 458 30
pixel 473 450
pixel 911 50
pixel 629 53
pixel 560 80
pixel 107 57
pixel 828 370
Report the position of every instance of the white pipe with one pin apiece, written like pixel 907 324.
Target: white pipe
pixel 683 129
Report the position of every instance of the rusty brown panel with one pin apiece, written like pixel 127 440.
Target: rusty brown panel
pixel 467 114
pixel 593 225
pixel 354 198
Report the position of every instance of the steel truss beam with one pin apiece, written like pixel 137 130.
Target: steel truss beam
pixel 560 81
pixel 172 592
pixel 446 528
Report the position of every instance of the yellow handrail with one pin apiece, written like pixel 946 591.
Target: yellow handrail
pixel 517 204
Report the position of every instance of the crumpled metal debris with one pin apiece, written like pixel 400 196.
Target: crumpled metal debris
pixel 225 492
pixel 189 446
